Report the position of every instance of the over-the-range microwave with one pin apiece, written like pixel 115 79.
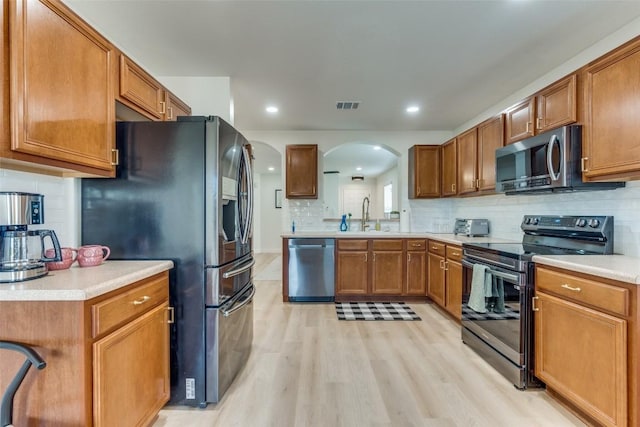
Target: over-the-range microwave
pixel 548 162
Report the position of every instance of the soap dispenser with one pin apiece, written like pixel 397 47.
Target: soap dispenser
pixel 343 223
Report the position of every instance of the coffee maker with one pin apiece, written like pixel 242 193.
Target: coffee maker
pixel 22 251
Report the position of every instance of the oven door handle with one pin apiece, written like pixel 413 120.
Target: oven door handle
pixel 511 277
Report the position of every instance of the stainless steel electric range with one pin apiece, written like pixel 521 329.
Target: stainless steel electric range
pixel 500 328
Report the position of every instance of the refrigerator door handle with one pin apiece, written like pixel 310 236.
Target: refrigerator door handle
pixel 245 228
pixel 227 313
pixel 239 270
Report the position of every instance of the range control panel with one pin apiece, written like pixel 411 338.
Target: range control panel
pixel 590 223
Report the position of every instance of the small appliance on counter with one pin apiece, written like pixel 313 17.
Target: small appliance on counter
pixel 22 251
pixel 471 227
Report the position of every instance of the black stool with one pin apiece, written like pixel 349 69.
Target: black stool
pixel 6 408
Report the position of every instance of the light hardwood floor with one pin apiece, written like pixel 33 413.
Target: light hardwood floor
pixel 307 368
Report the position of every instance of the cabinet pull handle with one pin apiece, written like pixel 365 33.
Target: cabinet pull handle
pixel 374 257
pixel 409 257
pixel 445 265
pixel 453 188
pixel 533 304
pixel 455 253
pixel 115 157
pixel 539 123
pixel 526 129
pixel 416 245
pixel 583 164
pixel 419 192
pixel 141 300
pixel 442 264
pixel 571 288
pixel 172 315
pixel 164 107
pixel 169 113
pixel 365 257
pixel 477 184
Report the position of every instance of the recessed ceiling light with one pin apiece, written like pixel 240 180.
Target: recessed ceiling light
pixel 358 168
pixel 272 109
pixel 412 109
pixel 271 168
pixel 377 147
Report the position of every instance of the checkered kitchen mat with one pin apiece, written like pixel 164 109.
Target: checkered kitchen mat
pixel 375 311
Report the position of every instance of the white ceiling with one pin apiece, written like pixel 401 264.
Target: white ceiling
pixel 453 58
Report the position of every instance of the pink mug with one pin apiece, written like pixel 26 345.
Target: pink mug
pixel 69 256
pixel 91 255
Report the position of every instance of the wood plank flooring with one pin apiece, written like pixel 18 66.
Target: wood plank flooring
pixel 309 369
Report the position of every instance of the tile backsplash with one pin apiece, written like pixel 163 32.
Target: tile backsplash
pixel 60 201
pixel 433 215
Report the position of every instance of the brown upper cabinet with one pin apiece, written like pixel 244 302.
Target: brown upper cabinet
pixel 302 171
pixel 550 108
pixel 61 90
pixel 449 155
pixel 467 161
pixel 175 107
pixel 140 91
pixel 610 146
pixel 490 138
pixel 424 171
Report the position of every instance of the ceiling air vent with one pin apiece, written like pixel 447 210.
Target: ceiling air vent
pixel 347 105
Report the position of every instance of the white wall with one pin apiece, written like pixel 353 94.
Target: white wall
pixel 207 96
pixel 268 217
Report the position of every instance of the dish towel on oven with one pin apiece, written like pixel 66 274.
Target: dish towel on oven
pixel 480 288
pixel 498 292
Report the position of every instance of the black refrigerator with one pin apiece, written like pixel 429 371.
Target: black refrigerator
pixel 184 191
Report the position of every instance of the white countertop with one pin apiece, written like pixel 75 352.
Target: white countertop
pixel 616 267
pixel 82 283
pixel 446 237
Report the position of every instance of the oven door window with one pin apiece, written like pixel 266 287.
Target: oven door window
pixel 500 325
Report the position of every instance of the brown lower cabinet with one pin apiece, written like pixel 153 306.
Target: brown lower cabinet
pixel 586 347
pixel 380 268
pixel 445 277
pixel 107 358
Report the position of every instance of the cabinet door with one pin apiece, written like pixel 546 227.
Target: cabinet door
pixel 387 273
pixel 612 102
pixel 490 138
pixel 61 87
pixel 131 371
pixel 453 280
pixel 519 121
pixel 302 171
pixel 143 92
pixel 424 171
pixel 352 273
pixel 416 273
pixel 175 107
pixel 449 168
pixel 557 105
pixel 467 155
pixel 582 354
pixel 435 285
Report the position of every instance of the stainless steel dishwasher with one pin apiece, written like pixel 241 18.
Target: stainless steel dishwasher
pixel 311 270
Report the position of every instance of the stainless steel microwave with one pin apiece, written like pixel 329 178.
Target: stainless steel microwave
pixel 548 162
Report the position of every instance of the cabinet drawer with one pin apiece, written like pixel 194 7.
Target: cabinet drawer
pixel 112 312
pixel 352 245
pixel 387 245
pixel 436 247
pixel 416 245
pixel 454 253
pixel 607 297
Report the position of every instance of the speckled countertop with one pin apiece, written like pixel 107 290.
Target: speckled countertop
pixel 79 284
pixel 446 237
pixel 616 267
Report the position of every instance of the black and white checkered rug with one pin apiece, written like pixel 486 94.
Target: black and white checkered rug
pixel 375 311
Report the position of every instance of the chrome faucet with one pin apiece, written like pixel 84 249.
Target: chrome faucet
pixel 365 215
